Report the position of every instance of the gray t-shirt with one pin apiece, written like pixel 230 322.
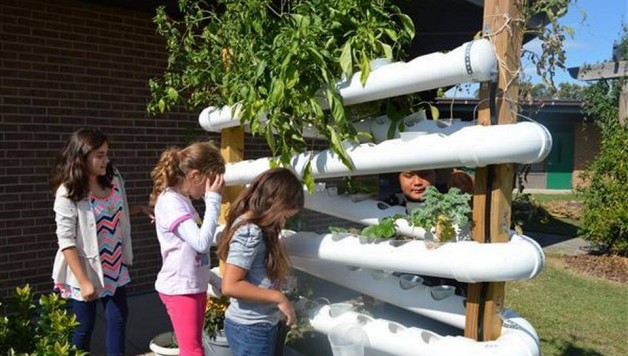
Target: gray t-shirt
pixel 247 250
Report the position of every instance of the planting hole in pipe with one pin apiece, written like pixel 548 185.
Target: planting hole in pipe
pixel 395 327
pixel 442 292
pixel 408 281
pixel 428 337
pixel 364 319
pixel 337 309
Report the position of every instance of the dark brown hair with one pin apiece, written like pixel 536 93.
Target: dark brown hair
pixel 271 193
pixel 71 167
pixel 174 164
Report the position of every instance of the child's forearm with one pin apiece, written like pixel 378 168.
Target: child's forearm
pixel 72 258
pixel 251 293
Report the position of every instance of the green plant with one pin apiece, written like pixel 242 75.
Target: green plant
pixel 278 61
pixel 386 228
pixel 29 330
pixel 442 211
pixel 215 315
pixel 350 185
pixel 605 211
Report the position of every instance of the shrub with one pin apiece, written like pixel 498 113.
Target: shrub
pixel 29 330
pixel 605 207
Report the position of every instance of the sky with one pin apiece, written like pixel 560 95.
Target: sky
pixel 596 25
pixel 594 34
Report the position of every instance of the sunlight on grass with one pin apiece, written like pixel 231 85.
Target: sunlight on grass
pixel 573 314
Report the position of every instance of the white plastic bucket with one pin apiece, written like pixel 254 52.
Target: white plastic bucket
pixel 347 340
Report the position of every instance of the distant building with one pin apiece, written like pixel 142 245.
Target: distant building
pixel 575 142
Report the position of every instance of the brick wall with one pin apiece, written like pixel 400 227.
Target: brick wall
pixel 586 147
pixel 67 64
pixel 63 65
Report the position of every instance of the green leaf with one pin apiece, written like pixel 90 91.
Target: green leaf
pixel 336 145
pixel 172 94
pixel 407 24
pixel 346 62
pixel 308 177
pixel 366 69
pixel 387 50
pixel 162 105
pixel 434 111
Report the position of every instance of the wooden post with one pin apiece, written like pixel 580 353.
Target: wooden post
pixel 623 103
pixel 494 184
pixel 232 150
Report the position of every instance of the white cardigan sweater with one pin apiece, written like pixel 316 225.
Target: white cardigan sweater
pixel 76 227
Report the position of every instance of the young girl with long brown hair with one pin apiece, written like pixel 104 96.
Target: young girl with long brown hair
pixel 256 262
pixel 94 236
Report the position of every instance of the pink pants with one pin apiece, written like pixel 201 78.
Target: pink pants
pixel 186 314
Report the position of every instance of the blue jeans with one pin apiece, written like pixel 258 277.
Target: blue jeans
pixel 251 340
pixel 116 312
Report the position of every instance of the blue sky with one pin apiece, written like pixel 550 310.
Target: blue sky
pixel 593 35
pixel 596 24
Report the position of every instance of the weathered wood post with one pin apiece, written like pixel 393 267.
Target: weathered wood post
pixel 494 184
pixel 232 150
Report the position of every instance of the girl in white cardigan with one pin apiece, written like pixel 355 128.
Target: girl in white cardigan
pixel 94 236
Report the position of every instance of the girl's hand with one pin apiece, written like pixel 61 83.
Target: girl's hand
pixel 218 185
pixel 285 306
pixel 88 292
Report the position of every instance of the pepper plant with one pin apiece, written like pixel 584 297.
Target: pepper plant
pixel 277 61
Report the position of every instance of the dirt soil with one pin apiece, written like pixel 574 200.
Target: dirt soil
pixel 612 268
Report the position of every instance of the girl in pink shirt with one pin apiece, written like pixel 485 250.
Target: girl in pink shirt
pixel 193 172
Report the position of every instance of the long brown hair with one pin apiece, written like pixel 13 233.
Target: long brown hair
pixel 174 164
pixel 71 167
pixel 271 193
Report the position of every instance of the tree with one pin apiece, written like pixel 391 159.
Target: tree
pixel 605 210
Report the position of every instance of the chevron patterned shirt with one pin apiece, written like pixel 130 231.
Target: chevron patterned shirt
pixel 107 212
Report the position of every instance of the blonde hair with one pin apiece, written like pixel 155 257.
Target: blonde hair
pixel 174 164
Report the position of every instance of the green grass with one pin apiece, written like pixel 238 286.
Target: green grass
pixel 544 198
pixel 573 314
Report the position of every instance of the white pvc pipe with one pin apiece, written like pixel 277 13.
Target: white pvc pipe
pixel 386 287
pixel 468 261
pixel 377 126
pixel 368 211
pixel 473 61
pixel 518 337
pixel 473 146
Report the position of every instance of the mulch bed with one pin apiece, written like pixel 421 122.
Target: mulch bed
pixel 613 268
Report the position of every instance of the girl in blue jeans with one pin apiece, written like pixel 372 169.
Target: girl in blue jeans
pixel 94 236
pixel 257 264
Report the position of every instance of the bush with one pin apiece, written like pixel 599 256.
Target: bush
pixel 29 330
pixel 605 208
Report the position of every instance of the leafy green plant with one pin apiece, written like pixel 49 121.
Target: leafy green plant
pixel 29 330
pixel 278 61
pixel 350 185
pixel 442 211
pixel 605 211
pixel 215 315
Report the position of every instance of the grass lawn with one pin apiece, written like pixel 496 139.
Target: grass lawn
pixel 573 314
